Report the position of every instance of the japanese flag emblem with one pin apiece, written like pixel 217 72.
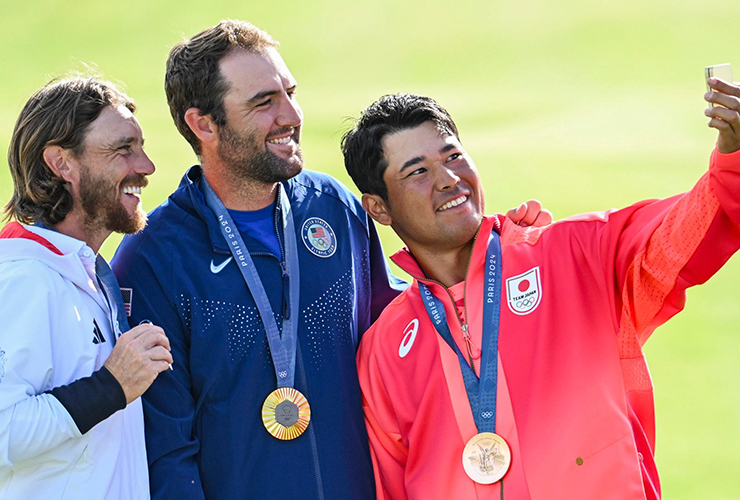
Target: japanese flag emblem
pixel 524 292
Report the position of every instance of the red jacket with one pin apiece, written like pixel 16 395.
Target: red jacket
pixel 575 400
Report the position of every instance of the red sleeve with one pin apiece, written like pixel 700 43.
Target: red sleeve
pixel 388 452
pixel 661 248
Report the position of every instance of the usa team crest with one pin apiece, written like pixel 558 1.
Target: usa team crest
pixel 319 237
pixel 524 292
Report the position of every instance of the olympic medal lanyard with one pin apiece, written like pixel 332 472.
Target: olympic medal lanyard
pixel 286 412
pixel 481 392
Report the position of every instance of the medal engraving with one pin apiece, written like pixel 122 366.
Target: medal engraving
pixel 486 458
pixel 286 413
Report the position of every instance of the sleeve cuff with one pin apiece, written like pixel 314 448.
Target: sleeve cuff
pixel 92 399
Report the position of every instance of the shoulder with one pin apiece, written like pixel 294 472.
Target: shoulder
pixel 25 274
pixel 172 224
pixel 316 187
pixel 396 326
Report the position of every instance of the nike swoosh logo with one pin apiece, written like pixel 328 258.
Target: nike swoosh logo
pixel 215 269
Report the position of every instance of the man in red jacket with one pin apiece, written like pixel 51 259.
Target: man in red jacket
pixel 513 366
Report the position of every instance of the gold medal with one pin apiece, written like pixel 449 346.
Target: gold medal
pixel 486 458
pixel 286 413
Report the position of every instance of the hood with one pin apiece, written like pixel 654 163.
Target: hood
pixel 19 244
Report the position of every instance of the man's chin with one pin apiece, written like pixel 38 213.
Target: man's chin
pixel 130 224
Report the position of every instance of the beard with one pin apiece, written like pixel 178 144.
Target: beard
pixel 242 154
pixel 100 200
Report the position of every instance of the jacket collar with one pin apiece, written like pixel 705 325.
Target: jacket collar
pixel 190 183
pixel 16 230
pixel 406 261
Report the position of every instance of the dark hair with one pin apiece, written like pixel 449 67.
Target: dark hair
pixel 193 78
pixel 363 145
pixel 59 114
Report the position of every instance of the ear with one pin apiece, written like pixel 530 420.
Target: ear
pixel 58 160
pixel 202 125
pixel 377 208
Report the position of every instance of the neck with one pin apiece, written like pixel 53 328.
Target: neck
pixel 238 193
pixel 74 226
pixel 448 266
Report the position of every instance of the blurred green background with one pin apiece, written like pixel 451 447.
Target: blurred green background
pixel 583 105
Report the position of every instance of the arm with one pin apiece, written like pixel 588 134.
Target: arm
pixel 36 417
pixel 666 247
pixel 387 450
pixel 169 407
pixel 33 421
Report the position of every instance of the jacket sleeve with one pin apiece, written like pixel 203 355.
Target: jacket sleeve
pixel 387 450
pixel 659 249
pixel 31 422
pixel 169 407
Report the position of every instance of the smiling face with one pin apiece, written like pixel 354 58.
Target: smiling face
pixel 435 197
pixel 261 138
pixel 108 176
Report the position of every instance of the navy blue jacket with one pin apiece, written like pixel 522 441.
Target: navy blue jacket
pixel 204 432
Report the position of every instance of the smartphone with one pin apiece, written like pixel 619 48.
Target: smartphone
pixel 721 71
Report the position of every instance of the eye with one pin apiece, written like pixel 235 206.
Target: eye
pixel 263 103
pixel 126 149
pixel 454 156
pixel 291 93
pixel 418 171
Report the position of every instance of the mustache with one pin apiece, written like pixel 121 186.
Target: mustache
pixel 280 131
pixel 135 180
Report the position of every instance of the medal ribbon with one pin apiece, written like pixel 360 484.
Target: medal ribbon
pixel 282 347
pixel 481 392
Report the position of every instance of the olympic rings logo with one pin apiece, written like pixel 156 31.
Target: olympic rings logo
pixel 487 414
pixel 529 301
pixel 320 242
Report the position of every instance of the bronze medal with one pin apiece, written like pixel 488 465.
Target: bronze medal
pixel 286 413
pixel 486 458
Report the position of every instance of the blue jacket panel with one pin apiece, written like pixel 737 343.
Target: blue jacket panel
pixel 205 436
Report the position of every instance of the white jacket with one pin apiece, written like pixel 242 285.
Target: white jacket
pixel 47 306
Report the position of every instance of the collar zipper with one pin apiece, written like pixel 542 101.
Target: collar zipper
pixel 283 264
pixel 464 320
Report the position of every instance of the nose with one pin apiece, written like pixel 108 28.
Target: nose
pixel 144 165
pixel 445 178
pixel 291 114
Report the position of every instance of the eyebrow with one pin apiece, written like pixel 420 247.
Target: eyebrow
pixel 123 141
pixel 418 159
pixel 261 95
pixel 267 93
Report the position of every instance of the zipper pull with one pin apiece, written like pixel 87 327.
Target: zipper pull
pixel 466 337
pixel 286 290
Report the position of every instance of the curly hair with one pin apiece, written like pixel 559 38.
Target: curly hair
pixel 59 114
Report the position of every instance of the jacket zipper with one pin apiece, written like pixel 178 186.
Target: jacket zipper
pixel 463 321
pixel 283 265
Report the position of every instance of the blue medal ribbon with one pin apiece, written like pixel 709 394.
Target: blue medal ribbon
pixel 282 347
pixel 481 391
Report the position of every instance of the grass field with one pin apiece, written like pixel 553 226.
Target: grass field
pixel 584 105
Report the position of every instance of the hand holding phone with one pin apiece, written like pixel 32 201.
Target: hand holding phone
pixel 724 113
pixel 720 71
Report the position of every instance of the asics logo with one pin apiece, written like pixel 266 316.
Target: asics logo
pixel 409 335
pixel 215 269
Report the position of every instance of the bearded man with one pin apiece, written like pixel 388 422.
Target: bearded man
pixel 264 276
pixel 71 423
